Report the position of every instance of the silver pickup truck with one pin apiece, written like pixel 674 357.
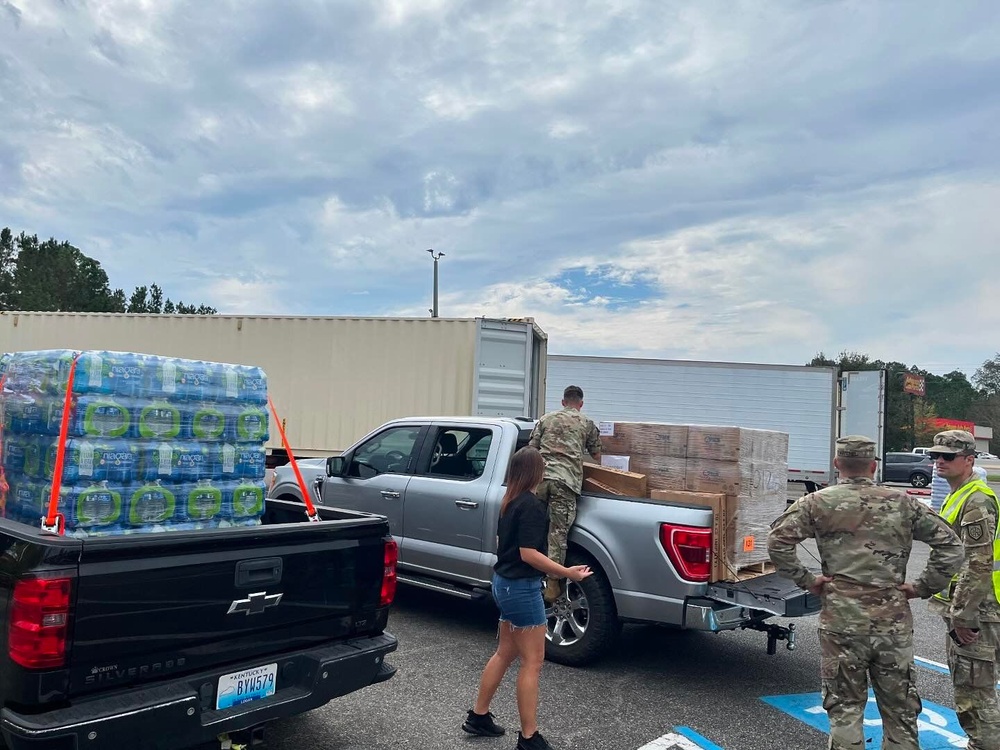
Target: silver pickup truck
pixel 440 481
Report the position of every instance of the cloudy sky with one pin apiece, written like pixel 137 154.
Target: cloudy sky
pixel 709 180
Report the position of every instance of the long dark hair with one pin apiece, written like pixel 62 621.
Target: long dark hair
pixel 524 473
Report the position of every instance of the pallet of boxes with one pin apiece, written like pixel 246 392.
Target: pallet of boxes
pixel 741 474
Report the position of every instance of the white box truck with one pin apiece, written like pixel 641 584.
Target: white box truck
pixel 332 379
pixel 809 403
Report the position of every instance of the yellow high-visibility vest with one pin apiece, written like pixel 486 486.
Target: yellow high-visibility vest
pixel 950 510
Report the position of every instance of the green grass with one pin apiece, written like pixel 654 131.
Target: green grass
pixel 993 478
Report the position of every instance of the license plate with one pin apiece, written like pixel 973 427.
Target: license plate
pixel 248 685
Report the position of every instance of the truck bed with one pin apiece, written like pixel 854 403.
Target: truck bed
pixel 176 612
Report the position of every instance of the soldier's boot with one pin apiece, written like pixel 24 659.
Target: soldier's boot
pixel 553 590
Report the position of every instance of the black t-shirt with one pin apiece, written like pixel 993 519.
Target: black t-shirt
pixel 524 524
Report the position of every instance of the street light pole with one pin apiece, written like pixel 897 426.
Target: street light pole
pixel 436 257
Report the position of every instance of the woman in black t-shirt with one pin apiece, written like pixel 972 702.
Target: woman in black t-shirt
pixel 518 577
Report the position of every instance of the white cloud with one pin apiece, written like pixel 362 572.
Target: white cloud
pixel 742 181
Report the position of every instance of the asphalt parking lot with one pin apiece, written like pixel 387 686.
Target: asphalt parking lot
pixel 704 690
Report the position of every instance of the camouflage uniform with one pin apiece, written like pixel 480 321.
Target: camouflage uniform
pixel 973 604
pixel 864 534
pixel 562 437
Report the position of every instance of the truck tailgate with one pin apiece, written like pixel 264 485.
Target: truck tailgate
pixel 156 606
pixel 768 593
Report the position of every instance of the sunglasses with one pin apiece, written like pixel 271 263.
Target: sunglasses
pixel 947 456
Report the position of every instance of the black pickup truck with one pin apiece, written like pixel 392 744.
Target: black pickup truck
pixel 170 640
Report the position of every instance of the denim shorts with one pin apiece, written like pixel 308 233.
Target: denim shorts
pixel 520 600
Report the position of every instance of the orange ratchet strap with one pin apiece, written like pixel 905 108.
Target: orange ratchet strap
pixel 310 508
pixel 54 522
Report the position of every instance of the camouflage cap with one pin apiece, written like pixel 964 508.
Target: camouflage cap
pixel 856 446
pixel 954 441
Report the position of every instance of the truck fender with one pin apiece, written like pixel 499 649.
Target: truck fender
pixel 584 540
pixel 286 491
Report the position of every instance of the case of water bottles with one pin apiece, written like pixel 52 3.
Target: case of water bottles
pixel 154 443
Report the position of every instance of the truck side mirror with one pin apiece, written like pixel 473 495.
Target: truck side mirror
pixel 336 466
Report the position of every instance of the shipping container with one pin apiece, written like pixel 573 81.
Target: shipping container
pixel 332 379
pixel 808 403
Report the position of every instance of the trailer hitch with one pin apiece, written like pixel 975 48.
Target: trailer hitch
pixel 774 633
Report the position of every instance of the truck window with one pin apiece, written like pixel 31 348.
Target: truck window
pixel 388 452
pixel 459 453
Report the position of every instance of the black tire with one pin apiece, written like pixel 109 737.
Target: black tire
pixel 919 480
pixel 583 624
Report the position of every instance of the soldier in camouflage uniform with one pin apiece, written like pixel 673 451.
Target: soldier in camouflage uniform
pixel 864 534
pixel 562 437
pixel 970 604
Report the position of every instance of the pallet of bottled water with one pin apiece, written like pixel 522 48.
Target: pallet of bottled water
pixel 153 443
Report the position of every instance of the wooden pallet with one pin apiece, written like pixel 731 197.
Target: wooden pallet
pixel 592 485
pixel 753 571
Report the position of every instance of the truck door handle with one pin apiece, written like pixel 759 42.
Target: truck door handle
pixel 255 573
pixel 390 494
pixel 467 504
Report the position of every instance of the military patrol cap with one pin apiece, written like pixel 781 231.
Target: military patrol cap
pixel 856 446
pixel 954 441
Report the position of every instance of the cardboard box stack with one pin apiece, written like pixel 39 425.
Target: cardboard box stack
pixel 740 473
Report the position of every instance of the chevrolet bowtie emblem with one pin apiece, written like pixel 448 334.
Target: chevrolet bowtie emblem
pixel 255 604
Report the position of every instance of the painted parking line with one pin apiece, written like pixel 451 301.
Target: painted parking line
pixel 938 726
pixel 934 666
pixel 682 738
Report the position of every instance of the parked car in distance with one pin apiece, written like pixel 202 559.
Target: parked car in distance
pixel 921 451
pixel 986 456
pixel 915 468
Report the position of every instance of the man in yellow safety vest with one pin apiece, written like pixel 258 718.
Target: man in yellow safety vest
pixel 971 604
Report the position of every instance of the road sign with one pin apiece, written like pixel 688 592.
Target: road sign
pixel 938 726
pixel 914 384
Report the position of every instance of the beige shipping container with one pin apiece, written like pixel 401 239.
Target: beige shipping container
pixel 332 379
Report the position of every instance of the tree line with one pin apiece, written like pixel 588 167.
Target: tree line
pixel 909 418
pixel 54 276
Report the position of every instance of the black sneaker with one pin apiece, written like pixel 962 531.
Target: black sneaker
pixel 482 725
pixel 534 742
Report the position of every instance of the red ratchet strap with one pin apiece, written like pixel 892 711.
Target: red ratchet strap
pixel 4 486
pixel 54 521
pixel 310 508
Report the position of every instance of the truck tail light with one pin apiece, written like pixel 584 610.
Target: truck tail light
pixel 39 619
pixel 390 557
pixel 689 548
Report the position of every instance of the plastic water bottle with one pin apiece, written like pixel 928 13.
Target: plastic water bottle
pixel 159 420
pixel 228 382
pixel 101 416
pixel 126 373
pixel 194 461
pixel 34 455
pixel 97 506
pixel 202 421
pixel 177 461
pixel 14 449
pixel 24 503
pixel 198 381
pixel 92 370
pixel 239 461
pixel 248 424
pixel 150 505
pixel 117 461
pixel 163 378
pixel 243 501
pixel 252 385
pixel 118 373
pixel 201 501
pixel 25 413
pixel 52 416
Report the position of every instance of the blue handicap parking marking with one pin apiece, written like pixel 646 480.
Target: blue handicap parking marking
pixel 938 726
